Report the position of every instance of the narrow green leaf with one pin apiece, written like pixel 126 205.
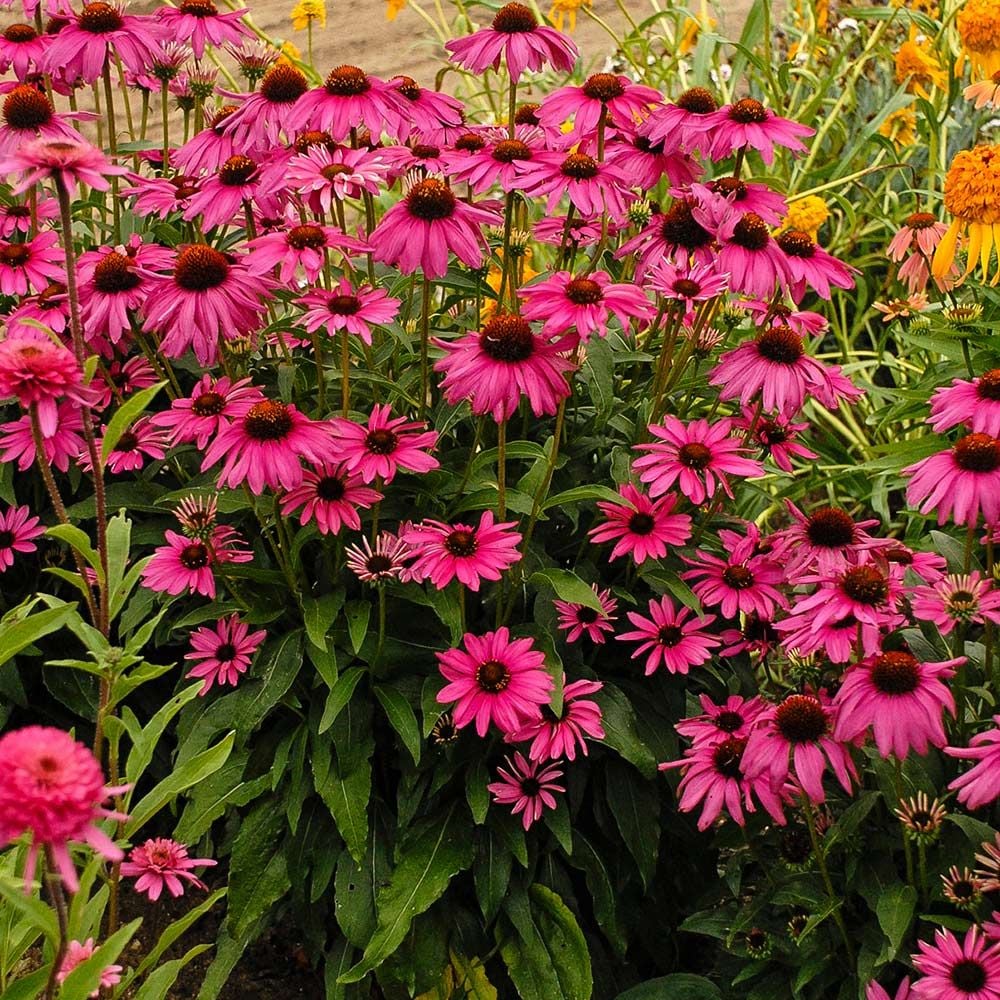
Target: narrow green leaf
pixel 568 587
pixel 20 634
pixel 402 718
pixel 125 415
pixel 339 696
pixel 358 614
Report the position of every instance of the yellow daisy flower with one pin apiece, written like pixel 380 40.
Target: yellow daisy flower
pixel 901 127
pixel 564 11
pixel 307 11
pixel 972 197
pixel 806 215
pixel 979 30
pixel 393 8
pixel 917 66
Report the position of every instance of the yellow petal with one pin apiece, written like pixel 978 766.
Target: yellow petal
pixel 944 255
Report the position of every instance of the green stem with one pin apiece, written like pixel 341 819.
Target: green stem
pixel 425 320
pixel 502 470
pixel 345 373
pixel 109 101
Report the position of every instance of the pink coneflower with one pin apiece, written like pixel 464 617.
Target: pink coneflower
pixel 735 717
pixel 327 175
pixel 517 37
pixel 928 566
pixel 965 599
pixel 715 778
pixel 980 785
pixel 266 444
pixel 674 234
pixel 18 218
pixel 77 952
pixel 505 360
pixel 222 196
pixel 571 231
pixel 726 195
pixel 39 374
pixel 528 786
pixel 681 125
pixel 30 264
pixel 501 162
pixel 802 321
pixel 443 552
pixel 756 265
pixel 163 863
pixel 430 221
pixel 388 560
pixel 974 402
pixel 260 120
pixel 646 162
pixel 900 698
pixel 747 124
pixel 835 639
pixel 113 285
pixel 62 446
pixel 420 159
pixel 206 151
pixel 775 368
pixel 199 22
pixel 428 112
pixel 302 246
pixel 102 31
pixel 809 266
pixel 349 99
pixel 756 635
pixel 50 307
pixel 777 437
pixel 208 410
pixel 53 788
pixel 584 303
pixel 142 441
pixel 22 48
pixel 921 229
pixel 643 528
pixel 345 307
pixel 863 592
pixel 969 970
pixel 875 992
pixel 27 115
pixel 592 187
pixel 673 638
pixel 580 620
pixel 959 483
pixel 383 446
pixel 686 281
pixel 196 515
pixel 740 581
pixel 186 564
pixel 698 456
pixel 208 297
pixel 161 196
pixel 616 97
pixel 122 378
pixel 796 736
pixel 18 529
pixel 494 679
pixel 331 496
pixel 554 736
pixel 222 654
pixel 828 540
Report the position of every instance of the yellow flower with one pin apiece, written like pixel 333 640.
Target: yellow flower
pixel 807 215
pixel 979 29
pixel 928 7
pixel 692 28
pixel 565 10
pixel 392 9
pixel 307 11
pixel 972 196
pixel 901 127
pixel 525 273
pixel 918 67
pixel 290 53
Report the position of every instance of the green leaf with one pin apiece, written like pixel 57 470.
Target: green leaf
pixel 547 956
pixel 895 911
pixel 491 872
pixel 274 673
pixel 145 743
pixel 428 859
pixel 975 829
pixel 125 415
pixel 86 977
pixel 358 613
pixel 581 493
pixel 476 793
pixel 78 540
pixel 635 806
pixel 20 634
pixel 346 796
pixel 680 986
pixel 620 731
pixel 157 986
pixel 402 718
pixel 339 696
pixel 258 869
pixel 568 587
pixel 588 859
pixel 319 614
pixel 29 906
pixel 189 773
pixel 177 928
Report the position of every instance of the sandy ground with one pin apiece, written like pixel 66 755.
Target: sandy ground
pixel 357 32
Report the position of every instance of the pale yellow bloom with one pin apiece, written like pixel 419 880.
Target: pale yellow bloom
pixel 807 215
pixel 564 12
pixel 901 127
pixel 917 66
pixel 305 12
pixel 392 9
